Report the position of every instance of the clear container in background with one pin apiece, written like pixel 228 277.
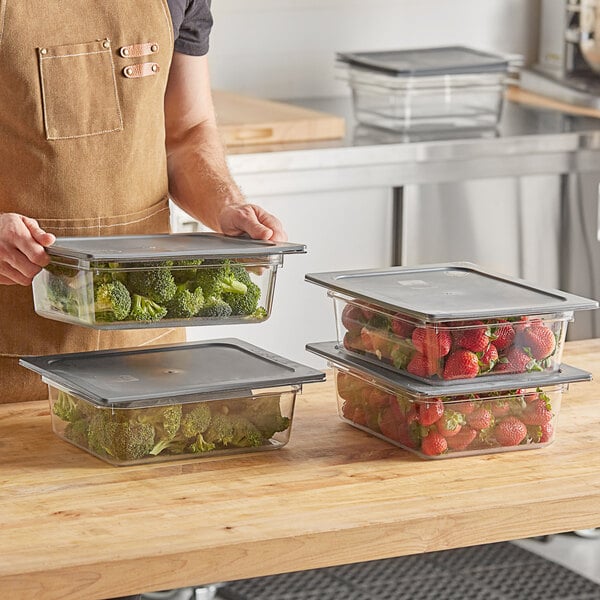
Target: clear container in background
pixel 426 89
pixel 156 403
pixel 436 422
pixel 127 282
pixel 425 104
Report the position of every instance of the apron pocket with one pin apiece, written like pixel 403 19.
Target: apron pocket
pixel 79 90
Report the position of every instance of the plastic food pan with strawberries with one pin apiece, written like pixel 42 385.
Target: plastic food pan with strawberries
pixel 439 422
pixel 447 323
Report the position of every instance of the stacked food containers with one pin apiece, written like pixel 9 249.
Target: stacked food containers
pixel 451 359
pixel 426 89
pixel 135 405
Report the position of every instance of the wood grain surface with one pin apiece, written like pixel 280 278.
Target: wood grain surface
pixel 516 94
pixel 74 527
pixel 245 120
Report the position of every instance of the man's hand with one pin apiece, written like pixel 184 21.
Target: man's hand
pixel 237 219
pixel 22 253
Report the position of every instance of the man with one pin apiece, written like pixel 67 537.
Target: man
pixel 105 112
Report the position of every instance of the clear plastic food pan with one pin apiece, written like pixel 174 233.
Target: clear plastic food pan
pixel 176 401
pixel 426 89
pixel 126 282
pixel 447 323
pixel 437 422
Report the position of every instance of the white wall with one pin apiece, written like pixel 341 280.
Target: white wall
pixel 286 48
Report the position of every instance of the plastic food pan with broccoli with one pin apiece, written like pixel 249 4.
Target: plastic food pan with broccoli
pixel 126 436
pixel 114 295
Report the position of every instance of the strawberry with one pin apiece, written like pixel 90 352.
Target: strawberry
pixel 377 398
pixel 510 431
pixel 422 366
pixel 376 341
pixel 480 418
pixel 488 358
pixel 462 439
pixel 368 311
pixel 353 341
pixel 399 430
pixel 345 384
pixel 547 432
pixel 434 444
pixel 461 364
pixel 538 412
pixel 466 406
pixel 515 361
pixel 430 412
pixel 352 318
pixel 430 342
pixel 503 334
pixel 401 327
pixel 540 341
pixel 475 339
pixel 450 423
pixel 500 408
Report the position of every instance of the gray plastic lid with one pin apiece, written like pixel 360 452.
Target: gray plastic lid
pixel 174 370
pixel 448 292
pixel 495 383
pixel 419 62
pixel 167 246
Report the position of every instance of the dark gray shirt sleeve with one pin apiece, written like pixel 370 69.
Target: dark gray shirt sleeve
pixel 192 23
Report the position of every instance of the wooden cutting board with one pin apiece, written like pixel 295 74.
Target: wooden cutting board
pixel 246 120
pixel 516 94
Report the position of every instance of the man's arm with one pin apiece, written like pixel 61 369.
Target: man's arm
pixel 199 179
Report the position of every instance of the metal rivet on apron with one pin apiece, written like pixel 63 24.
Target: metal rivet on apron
pixel 154 47
pixel 124 51
pixel 106 44
pixel 129 71
pixel 43 51
pixel 155 68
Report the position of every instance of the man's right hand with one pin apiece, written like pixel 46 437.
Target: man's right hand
pixel 22 249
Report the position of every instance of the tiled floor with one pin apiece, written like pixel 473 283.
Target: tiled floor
pixel 580 554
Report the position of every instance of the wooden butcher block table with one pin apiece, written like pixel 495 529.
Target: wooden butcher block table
pixel 73 527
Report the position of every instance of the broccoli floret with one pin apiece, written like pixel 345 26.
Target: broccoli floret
pixel 154 282
pixel 196 421
pixel 245 434
pixel 201 445
pixel 185 303
pixel 215 308
pixel 61 295
pixel 66 407
pixel 218 280
pixel 165 419
pixel 101 430
pixel 131 440
pixel 106 272
pixel 77 432
pixel 112 301
pixel 244 304
pixel 265 413
pixel 220 431
pixel 145 309
pixel 185 270
pixel 240 273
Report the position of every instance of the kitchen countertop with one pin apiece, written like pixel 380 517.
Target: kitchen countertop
pixel 72 526
pixel 529 140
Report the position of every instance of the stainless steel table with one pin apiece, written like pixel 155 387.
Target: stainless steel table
pixel 528 141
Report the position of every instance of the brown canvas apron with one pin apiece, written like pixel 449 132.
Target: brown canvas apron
pixel 82 149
